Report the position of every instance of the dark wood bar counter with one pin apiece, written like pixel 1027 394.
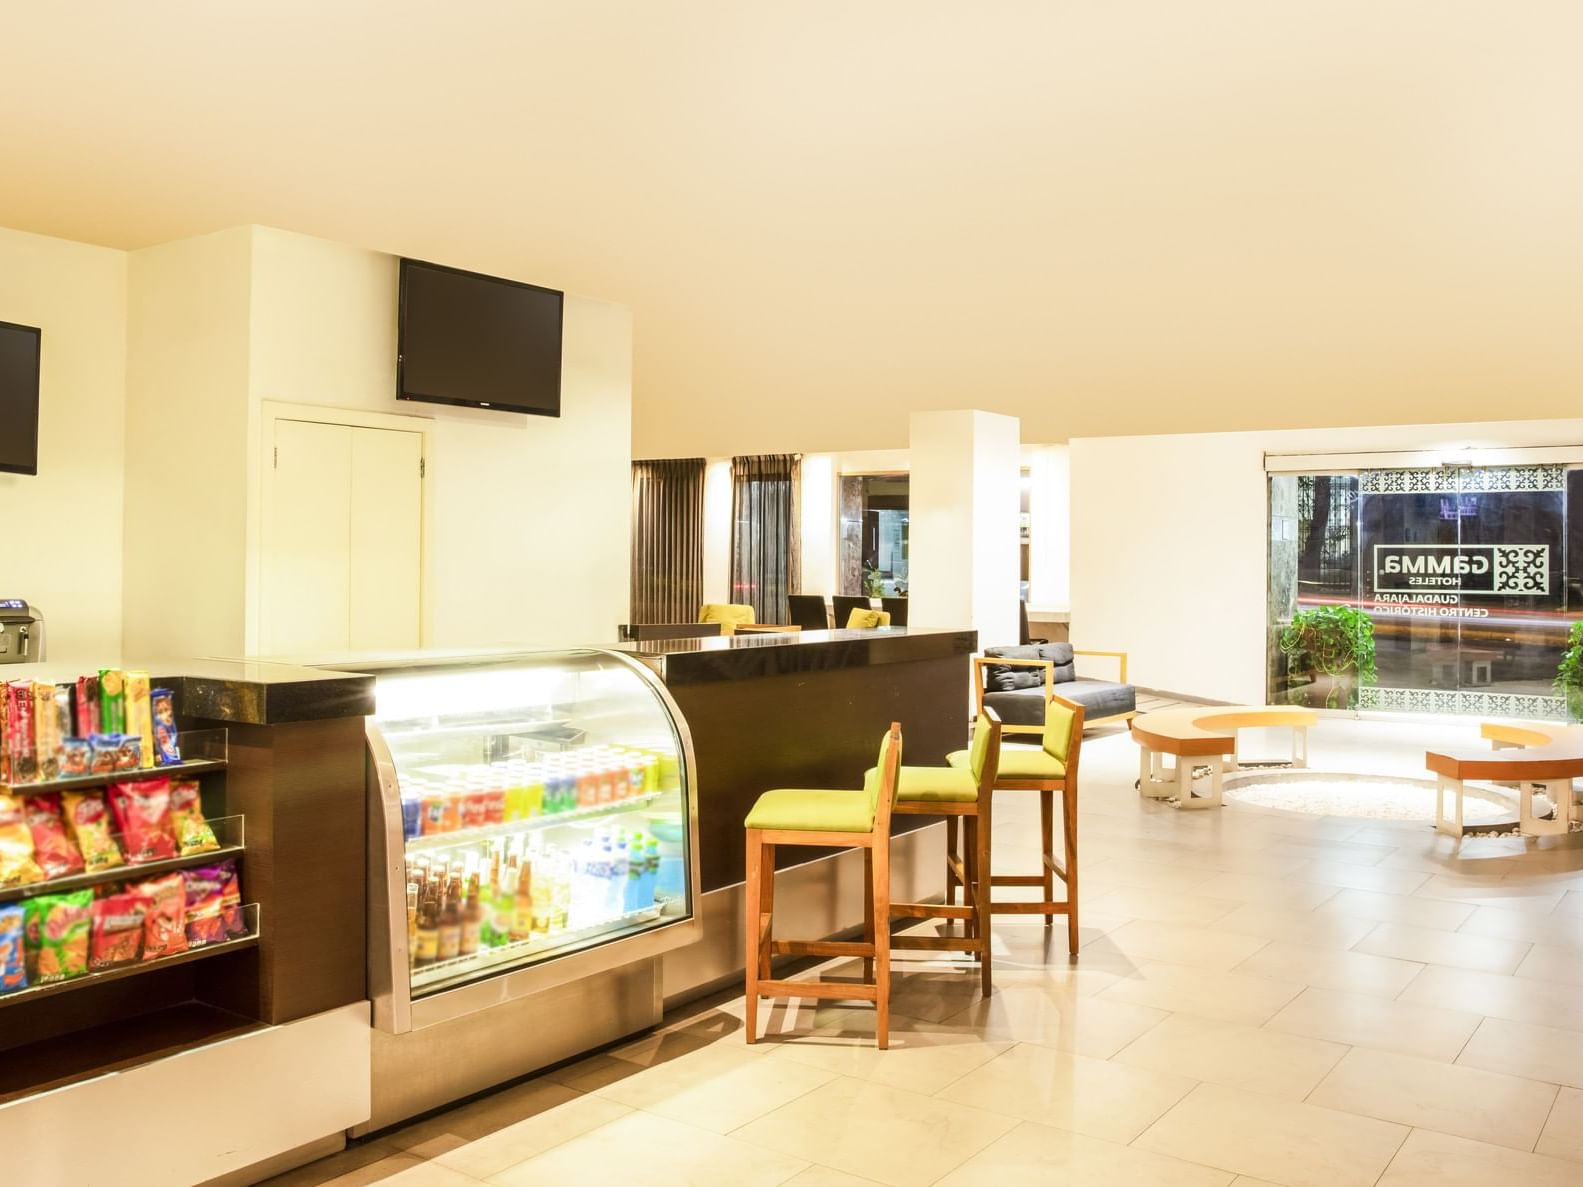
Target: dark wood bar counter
pixel 806 710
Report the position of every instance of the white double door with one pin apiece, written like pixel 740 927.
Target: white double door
pixel 342 536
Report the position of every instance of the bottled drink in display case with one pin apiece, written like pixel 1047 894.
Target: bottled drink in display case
pixel 450 937
pixel 522 905
pixel 472 919
pixel 428 946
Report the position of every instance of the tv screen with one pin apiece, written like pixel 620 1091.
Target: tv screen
pixel 19 352
pixel 478 341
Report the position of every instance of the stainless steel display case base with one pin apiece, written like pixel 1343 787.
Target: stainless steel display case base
pixel 815 900
pixel 440 1064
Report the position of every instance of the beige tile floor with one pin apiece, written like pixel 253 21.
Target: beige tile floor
pixel 1262 998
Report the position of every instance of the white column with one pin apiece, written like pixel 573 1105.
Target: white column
pixel 1050 539
pixel 963 506
pixel 717 531
pixel 818 523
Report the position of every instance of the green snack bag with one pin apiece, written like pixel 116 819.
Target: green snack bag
pixel 112 701
pixel 56 935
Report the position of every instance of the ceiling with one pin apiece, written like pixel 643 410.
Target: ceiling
pixel 1120 216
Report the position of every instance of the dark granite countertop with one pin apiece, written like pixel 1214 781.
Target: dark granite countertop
pixel 248 692
pixel 739 657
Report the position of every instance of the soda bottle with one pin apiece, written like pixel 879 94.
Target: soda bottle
pixel 472 919
pixel 450 936
pixel 522 905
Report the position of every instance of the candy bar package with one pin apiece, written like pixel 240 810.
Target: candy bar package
pixel 192 831
pixel 88 707
pixel 5 734
pixel 118 924
pixel 17 867
pixel 76 757
pixel 13 961
pixel 106 749
pixel 165 924
pixel 88 818
pixel 205 887
pixel 231 898
pixel 57 931
pixel 130 755
pixel 139 717
pixel 142 810
pixel 167 749
pixel 53 849
pixel 112 701
pixel 46 731
pixel 19 731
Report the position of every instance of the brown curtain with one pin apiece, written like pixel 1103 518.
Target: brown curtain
pixel 667 539
pixel 765 536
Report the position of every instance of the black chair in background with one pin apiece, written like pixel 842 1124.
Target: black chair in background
pixel 844 606
pixel 808 611
pixel 897 609
pixel 1022 625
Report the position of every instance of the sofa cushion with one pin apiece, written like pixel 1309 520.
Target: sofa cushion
pixel 1004 678
pixel 1099 698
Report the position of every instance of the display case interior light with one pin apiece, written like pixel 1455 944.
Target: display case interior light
pixel 483 689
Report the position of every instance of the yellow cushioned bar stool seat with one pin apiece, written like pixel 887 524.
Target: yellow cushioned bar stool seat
pixel 962 795
pixel 864 620
pixel 931 784
pixel 813 810
pixel 823 817
pixel 729 615
pixel 1017 762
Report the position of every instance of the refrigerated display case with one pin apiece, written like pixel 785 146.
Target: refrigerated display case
pixel 532 827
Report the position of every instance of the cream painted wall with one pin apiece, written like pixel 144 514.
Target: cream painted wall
pixel 186 446
pixel 63 549
pixel 1168 542
pixel 528 526
pixel 1049 526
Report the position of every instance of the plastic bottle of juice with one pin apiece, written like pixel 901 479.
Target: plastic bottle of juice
pixel 633 898
pixel 561 872
pixel 651 774
pixel 587 788
pixel 616 881
pixel 496 796
pixel 651 871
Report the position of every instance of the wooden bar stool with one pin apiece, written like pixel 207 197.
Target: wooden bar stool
pixel 960 794
pixel 840 819
pixel 1049 769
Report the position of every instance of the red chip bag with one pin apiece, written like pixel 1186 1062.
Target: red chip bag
pixel 55 851
pixel 143 812
pixel 118 924
pixel 165 923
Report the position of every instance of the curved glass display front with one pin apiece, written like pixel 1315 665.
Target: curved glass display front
pixel 543 806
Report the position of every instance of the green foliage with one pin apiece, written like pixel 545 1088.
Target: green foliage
pixel 1333 641
pixel 873 582
pixel 1569 673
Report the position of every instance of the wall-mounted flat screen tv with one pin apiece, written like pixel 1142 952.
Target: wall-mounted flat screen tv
pixel 19 355
pixel 478 341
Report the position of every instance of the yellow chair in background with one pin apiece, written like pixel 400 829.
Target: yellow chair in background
pixel 862 620
pixel 728 614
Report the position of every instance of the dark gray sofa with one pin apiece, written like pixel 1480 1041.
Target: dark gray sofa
pixel 1017 691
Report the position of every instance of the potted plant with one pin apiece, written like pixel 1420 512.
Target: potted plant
pixel 1569 673
pixel 873 582
pixel 1334 645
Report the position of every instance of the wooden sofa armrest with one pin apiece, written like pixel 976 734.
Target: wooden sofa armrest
pixel 1119 656
pixel 981 664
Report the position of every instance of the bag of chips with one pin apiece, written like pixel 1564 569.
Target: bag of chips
pixel 13 962
pixel 165 923
pixel 193 834
pixel 143 812
pixel 205 887
pixel 118 922
pixel 231 899
pixel 53 849
pixel 57 935
pixel 17 867
pixel 88 817
pixel 76 757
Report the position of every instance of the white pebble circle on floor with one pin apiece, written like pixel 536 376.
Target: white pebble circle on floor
pixel 1374 797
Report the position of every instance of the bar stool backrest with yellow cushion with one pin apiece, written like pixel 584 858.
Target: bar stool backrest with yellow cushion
pixel 825 818
pixel 729 615
pixel 964 796
pixel 1047 768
